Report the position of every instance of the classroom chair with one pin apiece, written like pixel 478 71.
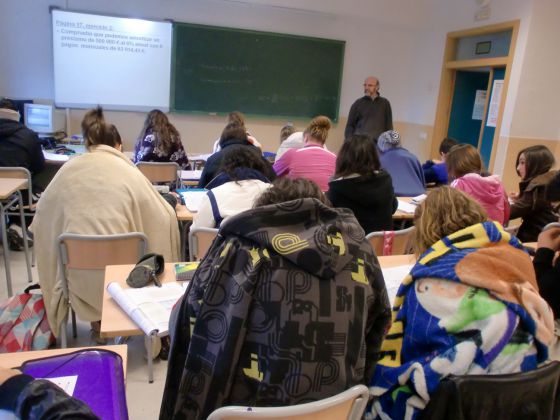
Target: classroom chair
pixel 526 395
pixel 392 242
pixel 200 240
pixel 349 405
pixel 161 172
pixel 94 252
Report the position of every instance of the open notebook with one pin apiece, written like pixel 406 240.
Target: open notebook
pixel 149 307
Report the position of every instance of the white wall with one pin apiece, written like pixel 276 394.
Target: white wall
pixel 536 113
pixel 400 41
pixel 372 47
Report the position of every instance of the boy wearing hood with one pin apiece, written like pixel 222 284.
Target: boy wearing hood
pixel 288 306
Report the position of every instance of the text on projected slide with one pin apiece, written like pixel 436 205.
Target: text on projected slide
pixel 119 63
pixel 102 37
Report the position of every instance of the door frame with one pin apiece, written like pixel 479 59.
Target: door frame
pixel 447 81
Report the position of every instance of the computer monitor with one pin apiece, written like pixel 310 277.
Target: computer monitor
pixel 39 118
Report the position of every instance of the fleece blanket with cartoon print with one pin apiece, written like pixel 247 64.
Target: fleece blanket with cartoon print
pixel 470 305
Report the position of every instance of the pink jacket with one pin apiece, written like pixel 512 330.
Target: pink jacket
pixel 488 191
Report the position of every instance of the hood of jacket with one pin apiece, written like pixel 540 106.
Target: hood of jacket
pixel 231 141
pixel 316 238
pixel 9 127
pixel 486 189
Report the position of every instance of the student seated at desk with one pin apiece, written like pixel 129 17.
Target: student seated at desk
pixel 361 185
pixel 464 165
pixel 435 172
pixel 470 305
pixel 234 137
pixel 19 147
pixel 404 168
pixel 313 161
pixel 239 119
pixel 534 167
pixel 290 296
pixel 100 192
pixel 26 398
pixel 239 183
pixel 159 141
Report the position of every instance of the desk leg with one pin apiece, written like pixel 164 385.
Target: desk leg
pixel 6 250
pixel 183 231
pixel 149 342
pixel 24 234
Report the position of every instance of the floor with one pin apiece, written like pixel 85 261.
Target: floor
pixel 143 398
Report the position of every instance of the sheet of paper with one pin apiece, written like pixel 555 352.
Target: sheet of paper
pixel 67 383
pixel 55 157
pixel 495 100
pixel 419 198
pixel 191 175
pixel 479 102
pixel 393 277
pixel 406 207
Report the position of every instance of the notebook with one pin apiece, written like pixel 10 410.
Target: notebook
pixel 149 307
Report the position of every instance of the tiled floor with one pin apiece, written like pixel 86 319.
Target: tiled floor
pixel 143 398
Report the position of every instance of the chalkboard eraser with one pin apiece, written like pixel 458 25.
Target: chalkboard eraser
pixel 213 113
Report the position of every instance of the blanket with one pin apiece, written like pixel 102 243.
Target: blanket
pixel 100 192
pixel 470 305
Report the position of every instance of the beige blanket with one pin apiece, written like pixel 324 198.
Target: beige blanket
pixel 100 192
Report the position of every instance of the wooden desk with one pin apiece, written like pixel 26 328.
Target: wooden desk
pixel 10 195
pixel 8 186
pixel 114 321
pixel 183 214
pixel 401 215
pixel 396 260
pixel 191 178
pixel 15 360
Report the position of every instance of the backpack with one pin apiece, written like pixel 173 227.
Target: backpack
pixel 23 323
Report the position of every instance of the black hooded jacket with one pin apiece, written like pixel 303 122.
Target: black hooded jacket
pixel 19 146
pixel 370 197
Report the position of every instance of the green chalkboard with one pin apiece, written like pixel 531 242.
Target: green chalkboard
pixel 218 70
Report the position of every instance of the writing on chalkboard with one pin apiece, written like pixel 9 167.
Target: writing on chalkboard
pixel 217 70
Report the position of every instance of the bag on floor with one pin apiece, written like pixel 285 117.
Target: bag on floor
pixel 23 323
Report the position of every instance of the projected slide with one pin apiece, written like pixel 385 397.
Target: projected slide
pixel 119 63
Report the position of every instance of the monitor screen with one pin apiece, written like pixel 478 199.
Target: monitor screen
pixel 39 118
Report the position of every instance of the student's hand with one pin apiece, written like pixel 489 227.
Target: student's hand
pixel 6 374
pixel 549 239
pixel 513 195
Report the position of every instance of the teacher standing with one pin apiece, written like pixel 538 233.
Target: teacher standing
pixel 371 114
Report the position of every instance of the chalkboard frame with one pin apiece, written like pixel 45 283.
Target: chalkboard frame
pixel 340 44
